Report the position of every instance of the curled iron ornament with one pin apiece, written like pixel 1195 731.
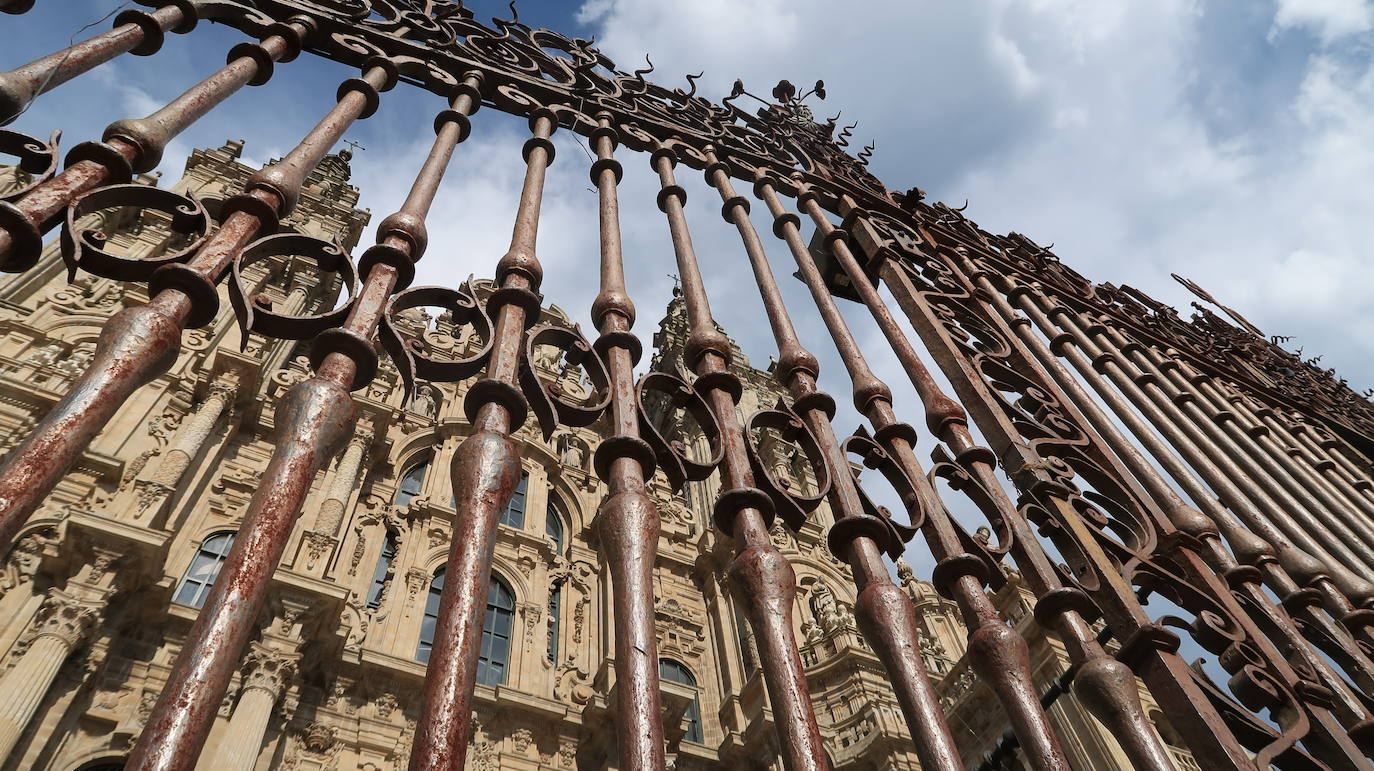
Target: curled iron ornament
pixel 408 355
pixel 257 315
pixel 677 466
pixel 877 521
pixel 37 158
pixel 791 505
pixel 954 472
pixel 84 248
pixel 547 400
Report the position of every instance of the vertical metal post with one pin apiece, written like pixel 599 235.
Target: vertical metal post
pixel 486 469
pixel 138 344
pixel 627 523
pixel 313 419
pixel 767 584
pixel 884 611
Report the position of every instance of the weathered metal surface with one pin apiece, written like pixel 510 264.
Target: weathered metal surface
pixel 1283 509
pixel 627 522
pixel 485 471
pixel 761 576
pixel 139 344
pixel 134 31
pixel 860 535
pixel 998 654
pixel 133 146
pixel 313 420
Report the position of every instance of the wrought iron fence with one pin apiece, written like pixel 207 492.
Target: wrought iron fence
pixel 1268 557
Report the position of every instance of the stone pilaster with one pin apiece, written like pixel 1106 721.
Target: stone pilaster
pixel 266 674
pixel 60 625
pixel 195 430
pixel 345 481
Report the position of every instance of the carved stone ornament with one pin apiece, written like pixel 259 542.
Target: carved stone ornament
pixel 65 617
pixel 268 669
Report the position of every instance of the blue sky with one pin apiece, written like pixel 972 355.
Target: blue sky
pixel 1225 140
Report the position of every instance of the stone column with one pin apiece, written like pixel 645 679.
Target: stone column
pixel 330 516
pixel 59 626
pixel 266 673
pixel 187 443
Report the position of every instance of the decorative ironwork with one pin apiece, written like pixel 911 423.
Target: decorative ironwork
pixel 1242 499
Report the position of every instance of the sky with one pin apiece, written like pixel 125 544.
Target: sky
pixel 1228 141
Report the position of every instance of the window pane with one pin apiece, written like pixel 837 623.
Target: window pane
pixel 675 672
pixel 379 574
pixel 555 606
pixel 553 527
pixel 514 515
pixel 411 483
pixel 204 569
pixel 431 617
pixel 495 647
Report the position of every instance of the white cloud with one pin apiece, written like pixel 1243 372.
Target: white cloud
pixel 1143 139
pixel 1329 19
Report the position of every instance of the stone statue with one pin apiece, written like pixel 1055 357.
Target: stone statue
pixel 426 401
pixel 828 613
pixel 572 451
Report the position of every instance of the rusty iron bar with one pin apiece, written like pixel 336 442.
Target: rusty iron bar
pixel 1262 513
pixel 313 419
pixel 1271 460
pixel 1357 590
pixel 138 32
pixel 1007 745
pixel 1250 549
pixel 1162 668
pixel 138 344
pixel 1105 686
pixel 627 523
pixel 765 581
pixel 1237 445
pixel 1262 421
pixel 1148 648
pixel 884 610
pixel 1299 579
pixel 1270 620
pixel 485 470
pixel 135 146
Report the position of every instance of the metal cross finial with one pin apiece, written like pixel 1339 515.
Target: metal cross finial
pixel 354 144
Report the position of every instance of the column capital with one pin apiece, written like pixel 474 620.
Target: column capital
pixel 268 669
pixel 363 433
pixel 225 386
pixel 64 617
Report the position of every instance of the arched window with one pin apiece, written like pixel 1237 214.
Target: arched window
pixel 494 658
pixel 675 672
pixel 553 527
pixel 204 569
pixel 383 569
pixel 514 515
pixel 411 482
pixel 496 633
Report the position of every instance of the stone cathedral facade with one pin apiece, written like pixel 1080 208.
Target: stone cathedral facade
pixel 100 590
